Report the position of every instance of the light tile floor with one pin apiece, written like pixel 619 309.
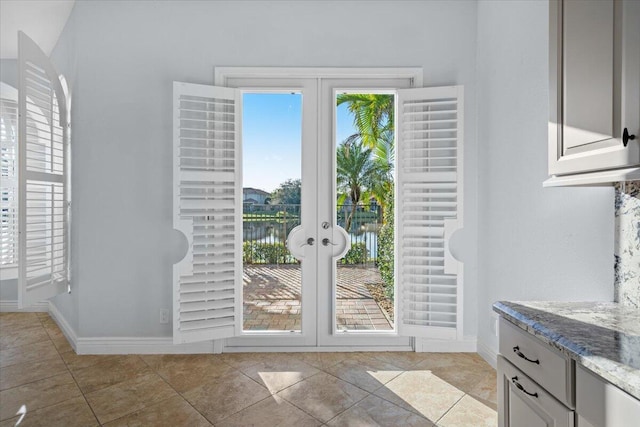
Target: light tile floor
pixel 39 369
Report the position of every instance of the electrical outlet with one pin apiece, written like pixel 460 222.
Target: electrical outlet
pixel 164 316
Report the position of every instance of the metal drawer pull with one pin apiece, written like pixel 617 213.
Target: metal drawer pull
pixel 517 351
pixel 514 380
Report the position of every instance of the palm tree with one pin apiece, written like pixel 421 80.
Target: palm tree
pixel 356 173
pixel 373 117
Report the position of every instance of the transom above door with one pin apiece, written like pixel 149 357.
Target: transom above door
pixel 284 197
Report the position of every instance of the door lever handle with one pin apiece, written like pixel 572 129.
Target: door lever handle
pixel 310 241
pixel 327 242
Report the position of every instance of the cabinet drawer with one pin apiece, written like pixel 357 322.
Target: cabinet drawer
pixel 547 367
pixel 523 403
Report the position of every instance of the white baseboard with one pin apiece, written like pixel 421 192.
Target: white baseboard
pixel 140 345
pixel 125 345
pixel 466 345
pixel 164 345
pixel 64 326
pixel 12 306
pixel 488 354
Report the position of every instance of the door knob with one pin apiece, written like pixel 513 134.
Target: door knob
pixel 626 137
pixel 310 241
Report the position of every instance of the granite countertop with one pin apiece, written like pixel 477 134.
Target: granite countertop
pixel 604 337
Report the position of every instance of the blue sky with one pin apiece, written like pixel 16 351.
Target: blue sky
pixel 271 137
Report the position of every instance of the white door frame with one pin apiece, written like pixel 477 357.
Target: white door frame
pixel 327 81
pixel 222 75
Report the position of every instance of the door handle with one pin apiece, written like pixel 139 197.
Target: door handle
pixel 327 242
pixel 296 241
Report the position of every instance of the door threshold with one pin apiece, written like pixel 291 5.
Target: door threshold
pixel 310 349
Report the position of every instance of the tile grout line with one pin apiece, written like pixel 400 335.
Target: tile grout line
pixel 52 376
pixel 450 408
pixel 296 406
pixel 71 373
pixel 153 371
pixel 339 379
pixel 39 379
pixel 270 394
pixel 177 392
pixel 373 393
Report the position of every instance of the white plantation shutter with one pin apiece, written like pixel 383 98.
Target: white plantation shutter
pixel 429 210
pixel 42 177
pixel 208 211
pixel 8 183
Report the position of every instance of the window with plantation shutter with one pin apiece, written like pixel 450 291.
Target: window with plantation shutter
pixel 42 177
pixel 8 184
pixel 208 211
pixel 429 210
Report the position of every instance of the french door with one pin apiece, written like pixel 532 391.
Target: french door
pixel 352 317
pixel 282 247
pixel 280 244
pixel 304 297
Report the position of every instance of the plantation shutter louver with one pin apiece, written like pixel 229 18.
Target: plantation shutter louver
pixel 429 209
pixel 208 211
pixel 42 177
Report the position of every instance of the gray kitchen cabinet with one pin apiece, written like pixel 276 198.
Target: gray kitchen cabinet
pixel 594 91
pixel 535 382
pixel 600 404
pixel 523 403
pixel 539 386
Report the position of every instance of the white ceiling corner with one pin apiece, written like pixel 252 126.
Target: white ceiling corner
pixel 42 20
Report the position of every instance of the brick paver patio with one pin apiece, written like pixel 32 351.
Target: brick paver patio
pixel 272 298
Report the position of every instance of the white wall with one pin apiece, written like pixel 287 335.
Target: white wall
pixel 121 59
pixel 534 243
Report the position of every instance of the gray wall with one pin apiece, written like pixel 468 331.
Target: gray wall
pixel 121 59
pixel 534 243
pixel 9 72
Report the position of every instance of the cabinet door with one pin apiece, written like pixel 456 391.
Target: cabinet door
pixel 523 403
pixel 594 90
pixel 600 404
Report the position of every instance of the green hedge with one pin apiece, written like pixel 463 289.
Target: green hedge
pixel 386 247
pixel 358 254
pixel 266 253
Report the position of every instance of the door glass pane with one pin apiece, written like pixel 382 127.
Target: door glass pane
pixel 271 144
pixel 364 285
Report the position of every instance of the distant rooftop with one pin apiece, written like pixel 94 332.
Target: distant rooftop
pixel 251 190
